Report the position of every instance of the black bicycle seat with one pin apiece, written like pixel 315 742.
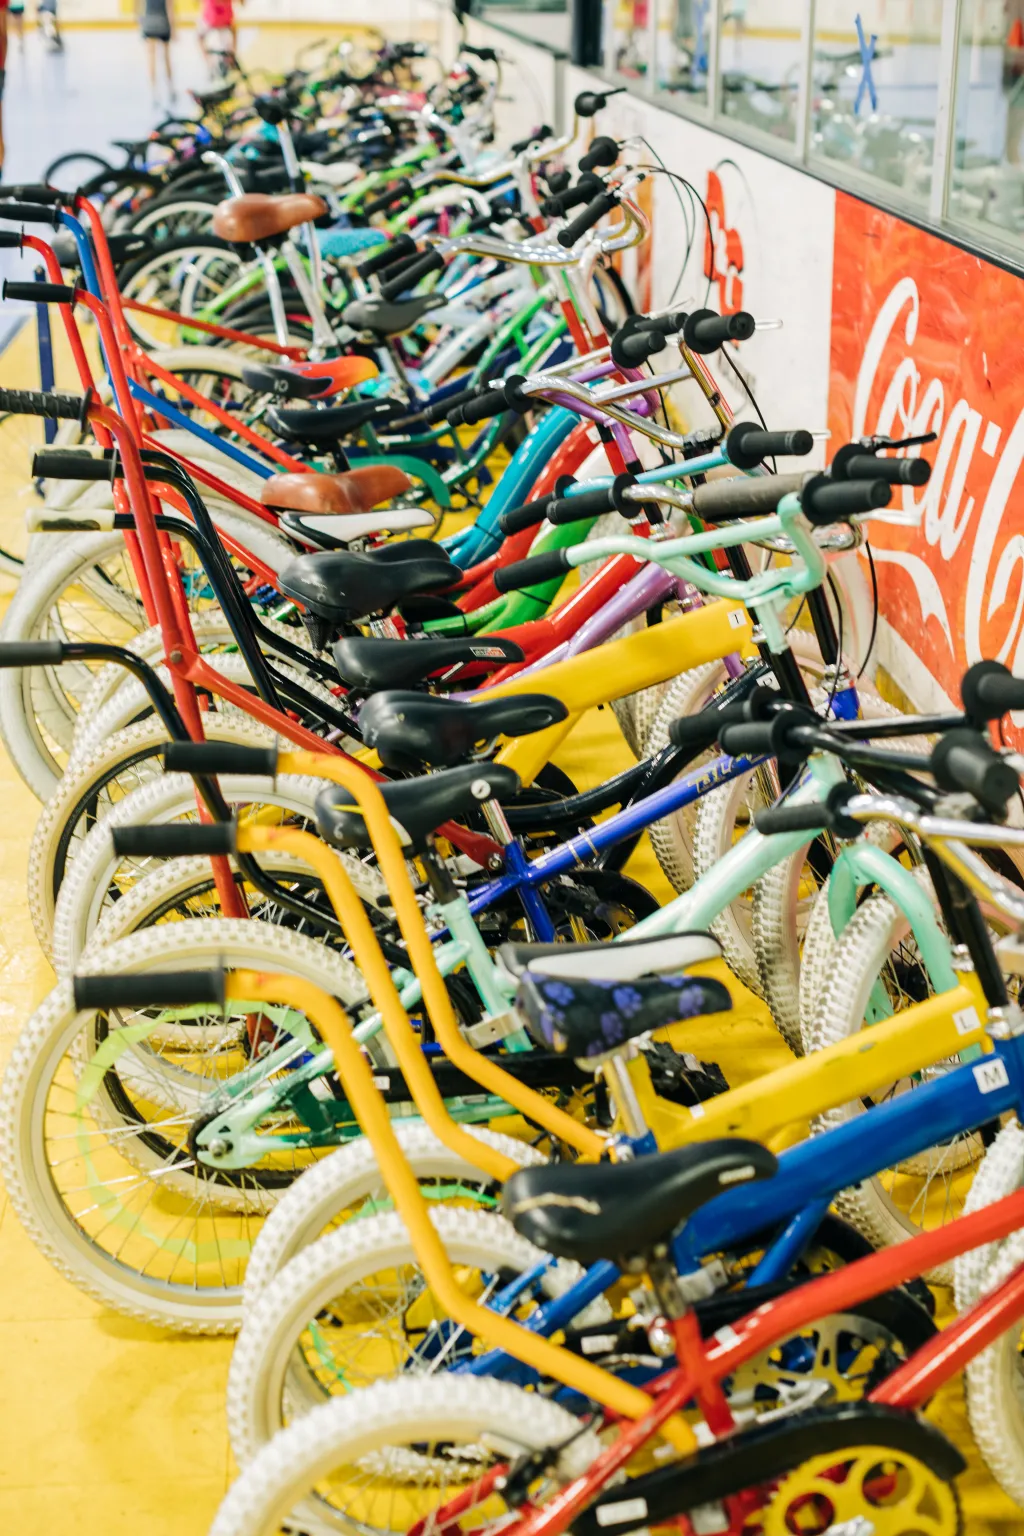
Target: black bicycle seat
pixel 580 1018
pixel 285 383
pixel 409 729
pixel 386 319
pixel 373 663
pixel 591 1211
pixel 419 806
pixel 342 586
pixel 215 98
pixel 324 427
pixel 132 147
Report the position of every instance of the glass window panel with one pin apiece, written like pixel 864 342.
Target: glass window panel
pixel 759 61
pixel 681 48
pixel 987 173
pixel 874 102
pixel 627 40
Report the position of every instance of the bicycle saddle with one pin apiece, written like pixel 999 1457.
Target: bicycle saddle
pixel 386 319
pixel 285 383
pixel 260 216
pixel 356 490
pixel 416 806
pixel 333 532
pixel 323 428
pixel 214 98
pixel 576 1017
pixel 372 664
pixel 409 729
pixel 591 1211
pixel 628 960
pixel 343 586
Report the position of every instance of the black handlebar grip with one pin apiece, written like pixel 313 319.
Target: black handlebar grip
pixel 747 445
pixel 36 192
pixel 705 331
pixel 159 989
pixel 40 293
pixel 830 501
pixel 696 733
pixel 588 103
pixel 603 151
pixel 792 818
pixel 485 55
pixel 490 403
pixel 865 466
pixel 668 325
pixel 570 509
pixel 963 761
pixel 527 516
pixel 394 194
pixel 433 261
pixel 747 739
pixel 592 214
pixel 719 501
pixel 30 213
pixel 175 840
pixel 31 653
pixel 636 347
pixel 394 250
pixel 531 572
pixel 989 690
pixel 441 409
pixel 220 757
pixel 558 205
pixel 10 240
pixel 67 464
pixel 37 402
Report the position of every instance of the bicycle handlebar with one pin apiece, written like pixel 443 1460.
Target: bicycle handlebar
pixel 211 757
pixel 411 273
pixel 395 250
pixel 30 213
pixel 159 989
pixel 990 690
pixel 603 151
pixel 171 841
pixel 705 331
pixel 748 445
pixel 592 214
pixel 37 402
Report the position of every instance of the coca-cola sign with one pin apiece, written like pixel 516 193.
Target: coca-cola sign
pixel 927 338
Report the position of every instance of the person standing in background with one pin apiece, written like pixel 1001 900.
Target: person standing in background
pixel 156 19
pixel 16 23
pixel 217 16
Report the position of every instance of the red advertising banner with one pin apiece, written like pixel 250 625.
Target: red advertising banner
pixel 926 338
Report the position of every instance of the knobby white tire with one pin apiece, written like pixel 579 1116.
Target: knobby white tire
pixel 995 1378
pixel 493 1420
pixel 100 780
pixel 97 870
pixel 859 958
pixel 81 1158
pixel 270 1381
pixel 351 1175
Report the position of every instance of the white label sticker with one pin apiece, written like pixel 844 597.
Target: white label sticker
pixel 697 1110
pixel 625 1509
pixel 990 1075
pixel 966 1021
pixel 382 1082
pixel 738 618
pixel 727 1336
pixel 597 1343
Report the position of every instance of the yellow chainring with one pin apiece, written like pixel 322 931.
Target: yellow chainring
pixel 892 1492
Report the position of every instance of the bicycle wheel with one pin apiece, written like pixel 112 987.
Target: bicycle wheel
pixel 71 171
pixel 354 1308
pixel 96 1110
pixel 349 1183
pixel 385 1458
pixel 97 876
pixel 929 1189
pixel 185 274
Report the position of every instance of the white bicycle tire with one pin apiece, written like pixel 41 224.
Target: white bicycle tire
pixel 263 1384
pixel 41 1052
pixel 274 1488
pixel 171 797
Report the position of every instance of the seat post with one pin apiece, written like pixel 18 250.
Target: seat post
pixel 621 1084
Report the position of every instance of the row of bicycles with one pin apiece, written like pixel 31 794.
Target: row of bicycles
pixel 365 1047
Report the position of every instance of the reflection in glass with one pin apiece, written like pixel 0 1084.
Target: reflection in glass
pixel 627 39
pixel 681 47
pixel 987 176
pixel 759 58
pixel 874 89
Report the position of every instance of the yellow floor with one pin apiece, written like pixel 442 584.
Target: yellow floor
pixel 110 1429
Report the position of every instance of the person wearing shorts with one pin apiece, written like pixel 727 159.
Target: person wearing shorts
pixel 156 22
pixel 216 16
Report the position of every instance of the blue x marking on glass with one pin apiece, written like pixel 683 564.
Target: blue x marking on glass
pixel 867 53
